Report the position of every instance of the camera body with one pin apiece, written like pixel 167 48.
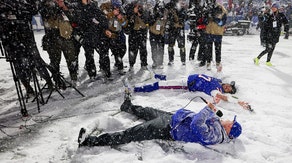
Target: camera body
pixel 49 8
pixel 140 9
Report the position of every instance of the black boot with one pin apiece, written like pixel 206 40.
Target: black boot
pixel 126 106
pixel 81 137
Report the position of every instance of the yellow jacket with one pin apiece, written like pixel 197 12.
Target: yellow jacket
pixel 213 27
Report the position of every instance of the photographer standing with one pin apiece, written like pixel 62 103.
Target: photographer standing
pixel 174 31
pixel 94 31
pixel 137 28
pixel 117 40
pixel 272 26
pixel 18 40
pixel 214 33
pixel 198 22
pixel 156 32
pixel 58 38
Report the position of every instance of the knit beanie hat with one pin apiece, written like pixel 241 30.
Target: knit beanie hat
pixel 275 5
pixel 116 3
pixel 235 129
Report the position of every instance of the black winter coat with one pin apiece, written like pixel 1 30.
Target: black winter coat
pixel 175 16
pixel 91 21
pixel 272 24
pixel 22 9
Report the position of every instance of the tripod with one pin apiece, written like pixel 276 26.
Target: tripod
pixel 60 82
pixel 37 89
pixel 22 100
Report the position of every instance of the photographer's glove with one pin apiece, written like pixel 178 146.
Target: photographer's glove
pixel 220 23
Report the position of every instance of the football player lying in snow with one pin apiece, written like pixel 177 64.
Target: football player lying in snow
pixel 184 125
pixel 203 83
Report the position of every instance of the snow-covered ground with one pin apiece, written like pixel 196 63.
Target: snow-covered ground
pixel 51 135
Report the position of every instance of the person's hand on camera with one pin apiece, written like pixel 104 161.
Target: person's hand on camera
pixel 108 33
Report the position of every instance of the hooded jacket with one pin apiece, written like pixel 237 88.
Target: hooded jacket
pixel 204 127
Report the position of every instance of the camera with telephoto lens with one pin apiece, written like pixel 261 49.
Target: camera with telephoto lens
pixel 49 8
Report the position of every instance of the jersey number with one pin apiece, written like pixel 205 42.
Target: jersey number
pixel 207 78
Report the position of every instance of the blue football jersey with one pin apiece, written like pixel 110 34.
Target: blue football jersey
pixel 204 83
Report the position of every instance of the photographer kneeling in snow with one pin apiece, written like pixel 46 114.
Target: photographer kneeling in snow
pixel 184 125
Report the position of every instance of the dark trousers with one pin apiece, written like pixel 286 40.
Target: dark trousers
pixel 91 42
pixel 217 40
pixel 89 56
pixel 262 37
pixel 269 49
pixel 193 50
pixel 61 45
pixel 209 51
pixel 118 49
pixel 137 42
pixel 201 42
pixel 157 126
pixel 89 60
pixel 104 60
pixel 178 35
pixel 157 48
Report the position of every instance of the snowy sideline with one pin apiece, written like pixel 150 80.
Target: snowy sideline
pixel 51 135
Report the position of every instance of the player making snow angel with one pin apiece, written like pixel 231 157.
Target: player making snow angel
pixel 204 127
pixel 203 83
